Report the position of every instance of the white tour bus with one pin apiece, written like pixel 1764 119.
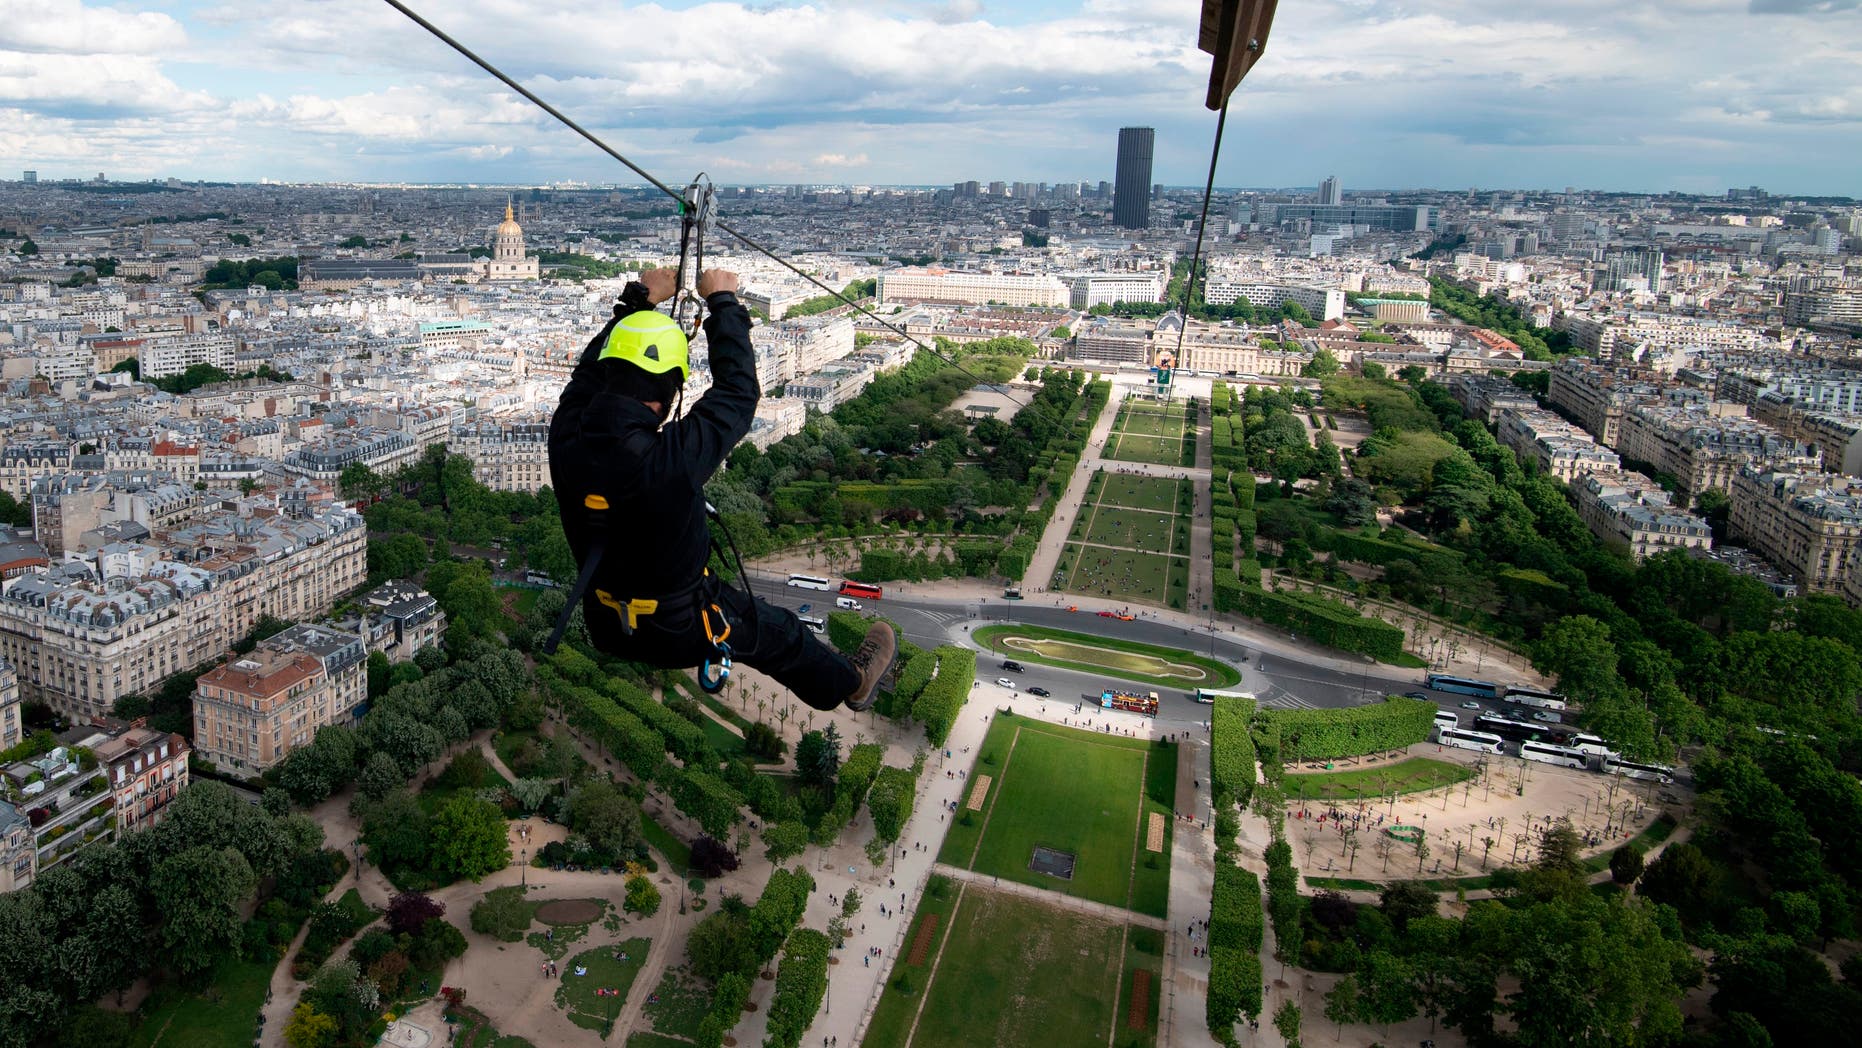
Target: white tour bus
pixel 1546 753
pixel 810 582
pixel 1470 740
pixel 1445 720
pixel 817 625
pixel 1207 696
pixel 1635 770
pixel 1593 745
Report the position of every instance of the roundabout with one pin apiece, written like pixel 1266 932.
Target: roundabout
pixel 1154 664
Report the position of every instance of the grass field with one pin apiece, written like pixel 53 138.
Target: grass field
pixel 1016 974
pixel 899 1004
pixel 1144 950
pixel 1130 542
pixel 1157 494
pixel 1098 654
pixel 678 853
pixel 577 994
pixel 1149 433
pixel 1411 776
pixel 1079 792
pixel 222 1018
pixel 678 1005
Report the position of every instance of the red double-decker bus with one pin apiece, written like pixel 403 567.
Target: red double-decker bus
pixel 850 588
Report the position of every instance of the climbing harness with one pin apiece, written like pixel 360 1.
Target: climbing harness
pixel 698 209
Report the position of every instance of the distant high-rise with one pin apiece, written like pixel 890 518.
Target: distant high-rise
pixel 1328 191
pixel 1131 205
pixel 31 177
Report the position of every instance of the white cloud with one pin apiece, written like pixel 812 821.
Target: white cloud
pixel 67 26
pixel 840 160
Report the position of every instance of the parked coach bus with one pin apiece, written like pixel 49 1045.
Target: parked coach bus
pixel 1445 720
pixel 1545 700
pixel 1546 753
pixel 1470 740
pixel 1485 689
pixel 1207 696
pixel 1634 770
pixel 861 589
pixel 810 582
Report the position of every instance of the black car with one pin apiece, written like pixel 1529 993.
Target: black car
pixel 1042 692
pixel 1012 666
pixel 1416 695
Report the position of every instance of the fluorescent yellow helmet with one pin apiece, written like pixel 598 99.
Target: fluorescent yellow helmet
pixel 650 341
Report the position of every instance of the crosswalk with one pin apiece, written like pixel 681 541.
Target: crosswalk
pixel 1276 697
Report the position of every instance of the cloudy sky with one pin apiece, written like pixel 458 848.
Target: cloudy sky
pixel 1694 95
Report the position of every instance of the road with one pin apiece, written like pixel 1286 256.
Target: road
pixel 1278 680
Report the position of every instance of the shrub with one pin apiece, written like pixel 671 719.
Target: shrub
pixel 503 914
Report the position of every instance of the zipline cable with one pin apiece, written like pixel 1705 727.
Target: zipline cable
pixel 472 56
pixel 1202 226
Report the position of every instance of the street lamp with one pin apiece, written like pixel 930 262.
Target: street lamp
pixel 523 872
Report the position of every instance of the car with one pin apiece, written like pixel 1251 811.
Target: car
pixel 1012 666
pixel 1107 615
pixel 1416 695
pixel 1470 704
pixel 1546 717
pixel 1006 683
pixel 1042 692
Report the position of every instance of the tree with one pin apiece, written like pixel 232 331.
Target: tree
pixel 1385 993
pixel 1287 1021
pixel 817 757
pixel 1626 864
pixel 396 832
pixel 642 897
pixel 408 911
pixel 1341 1003
pixel 785 840
pixel 309 1028
pixel 712 857
pixel 380 777
pixel 502 914
pixel 1324 363
pixel 610 821
pixel 1406 901
pixel 470 839
pixel 1374 370
pixel 1579 651
pixel 198 893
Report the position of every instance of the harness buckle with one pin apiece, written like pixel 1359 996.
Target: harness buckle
pixel 631 612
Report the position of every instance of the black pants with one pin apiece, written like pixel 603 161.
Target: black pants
pixel 768 638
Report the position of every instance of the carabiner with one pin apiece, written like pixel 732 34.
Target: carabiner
pixel 712 677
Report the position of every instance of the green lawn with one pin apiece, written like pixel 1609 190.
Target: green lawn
pixel 678 853
pixel 1118 575
pixel 1133 529
pixel 577 995
pixel 1016 974
pixel 1157 494
pixel 1162 451
pixel 905 987
pixel 221 1017
pixel 1144 949
pixel 1077 792
pixel 1103 654
pixel 682 1000
pixel 1410 776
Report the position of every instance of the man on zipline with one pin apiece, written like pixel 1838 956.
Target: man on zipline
pixel 631 489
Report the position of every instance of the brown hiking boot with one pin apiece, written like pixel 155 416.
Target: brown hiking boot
pixel 871 661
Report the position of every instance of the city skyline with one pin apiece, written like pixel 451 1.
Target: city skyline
pixel 1699 98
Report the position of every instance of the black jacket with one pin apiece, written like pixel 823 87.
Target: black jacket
pixel 606 443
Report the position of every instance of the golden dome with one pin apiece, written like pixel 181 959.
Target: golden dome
pixel 509 226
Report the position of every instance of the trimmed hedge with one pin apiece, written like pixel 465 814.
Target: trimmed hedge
pixel 637 745
pixel 858 770
pixel 890 801
pixel 937 707
pixel 801 982
pixel 914 675
pixel 1392 724
pixel 1235 918
pixel 705 797
pixel 1318 618
pixel 1234 988
pixel 686 740
pixel 1231 755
